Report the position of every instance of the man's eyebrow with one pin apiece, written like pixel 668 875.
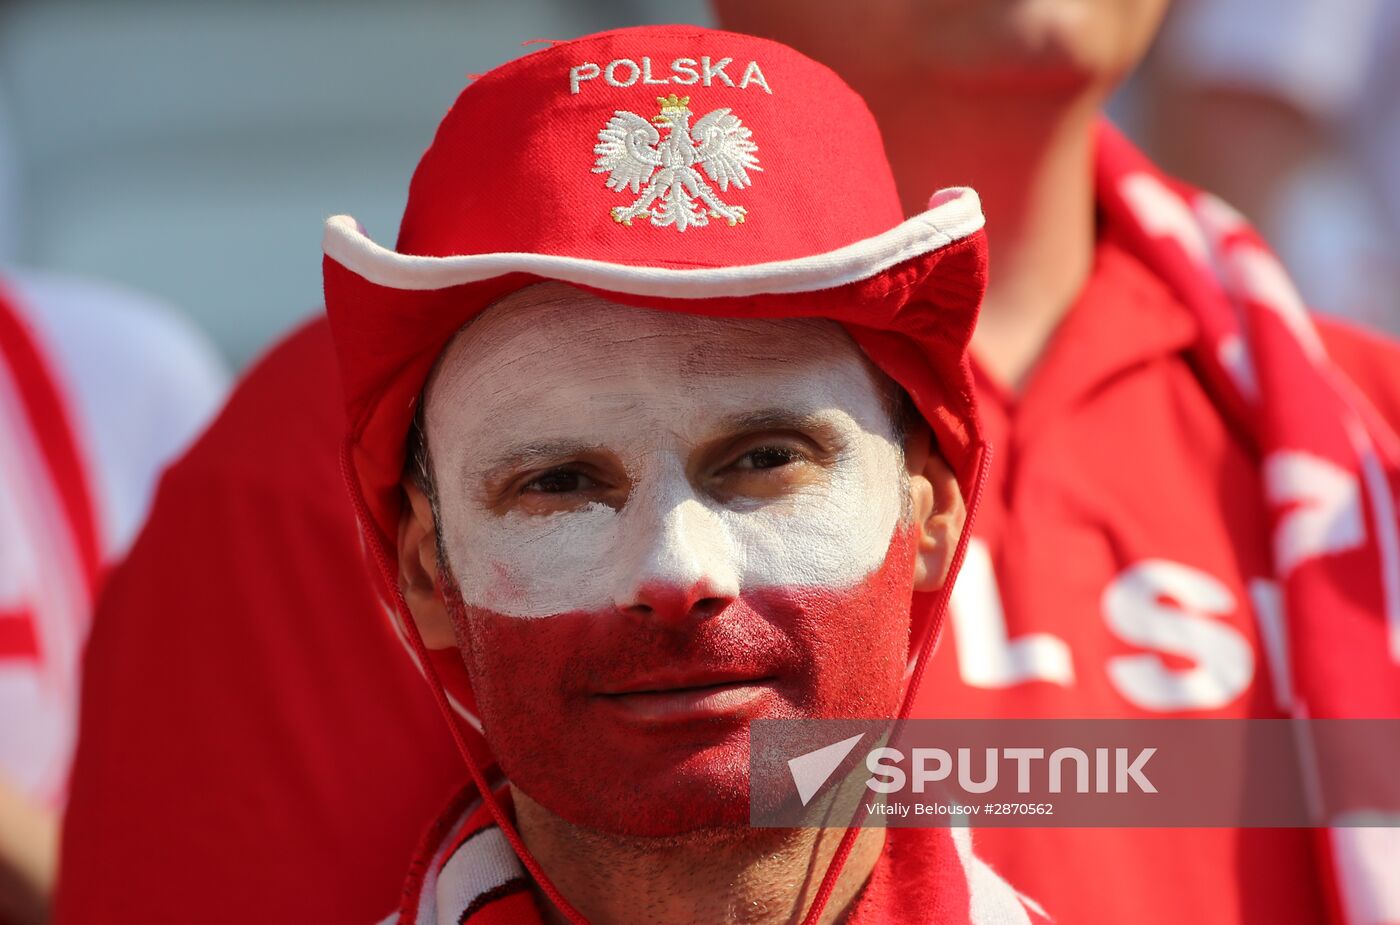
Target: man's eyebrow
pixel 527 455
pixel 775 419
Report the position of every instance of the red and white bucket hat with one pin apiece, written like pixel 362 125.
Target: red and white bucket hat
pixel 672 168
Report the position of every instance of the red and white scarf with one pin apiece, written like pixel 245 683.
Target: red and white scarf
pixel 49 561
pixel 1330 467
pixel 467 873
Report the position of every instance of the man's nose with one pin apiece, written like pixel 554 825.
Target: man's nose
pixel 686 568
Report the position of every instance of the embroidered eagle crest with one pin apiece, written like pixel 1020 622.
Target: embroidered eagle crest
pixel 662 171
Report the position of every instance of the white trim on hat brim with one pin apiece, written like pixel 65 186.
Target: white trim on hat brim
pixel 954 214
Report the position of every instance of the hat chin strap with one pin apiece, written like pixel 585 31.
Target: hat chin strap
pixel 425 663
pixel 478 775
pixel 843 850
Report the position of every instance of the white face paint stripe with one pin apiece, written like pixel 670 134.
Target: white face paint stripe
pixel 525 369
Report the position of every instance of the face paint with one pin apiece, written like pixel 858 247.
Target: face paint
pixel 659 527
pixel 655 764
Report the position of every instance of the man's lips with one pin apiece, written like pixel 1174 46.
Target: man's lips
pixel 704 695
pixel 677 680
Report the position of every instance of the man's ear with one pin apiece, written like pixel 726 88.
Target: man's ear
pixel 937 508
pixel 418 569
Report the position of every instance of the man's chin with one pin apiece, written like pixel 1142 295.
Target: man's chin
pixel 704 791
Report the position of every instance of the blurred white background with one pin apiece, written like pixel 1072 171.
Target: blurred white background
pixel 191 150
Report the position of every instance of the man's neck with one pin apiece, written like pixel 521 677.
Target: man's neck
pixel 1030 157
pixel 754 876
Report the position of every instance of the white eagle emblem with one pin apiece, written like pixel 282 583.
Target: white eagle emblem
pixel 632 152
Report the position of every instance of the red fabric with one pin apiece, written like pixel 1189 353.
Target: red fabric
pixel 920 879
pixel 518 147
pixel 922 876
pixel 1063 516
pixel 47 410
pixel 1129 447
pixel 46 608
pixel 254 744
pixel 1369 360
pixel 466 816
pixel 18 639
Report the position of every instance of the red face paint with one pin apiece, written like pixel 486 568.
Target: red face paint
pixel 637 724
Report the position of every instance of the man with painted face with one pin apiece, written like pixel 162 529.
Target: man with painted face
pixel 1193 510
pixel 664 429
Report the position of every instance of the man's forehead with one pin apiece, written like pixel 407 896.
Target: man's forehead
pixel 551 348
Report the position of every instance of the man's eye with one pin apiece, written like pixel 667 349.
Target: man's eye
pixel 768 457
pixel 559 481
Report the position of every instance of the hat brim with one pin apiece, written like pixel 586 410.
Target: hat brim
pixel 954 214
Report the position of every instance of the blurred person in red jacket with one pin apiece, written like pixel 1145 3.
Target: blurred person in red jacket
pixel 254 744
pixel 98 388
pixel 1191 513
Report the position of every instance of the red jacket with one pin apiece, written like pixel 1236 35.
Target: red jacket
pixel 255 745
pixel 1050 618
